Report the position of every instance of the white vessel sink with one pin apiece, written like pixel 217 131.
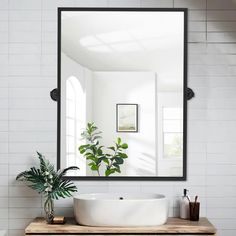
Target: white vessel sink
pixel 111 209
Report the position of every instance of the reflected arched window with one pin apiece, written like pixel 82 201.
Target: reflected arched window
pixel 75 123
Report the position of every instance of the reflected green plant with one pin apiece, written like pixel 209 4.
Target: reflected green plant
pixel 97 157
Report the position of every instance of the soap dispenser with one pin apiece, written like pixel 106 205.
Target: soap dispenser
pixel 184 205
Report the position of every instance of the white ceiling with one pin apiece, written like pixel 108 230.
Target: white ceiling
pixel 125 41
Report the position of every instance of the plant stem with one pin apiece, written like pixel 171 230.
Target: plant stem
pixel 49 209
pixel 109 166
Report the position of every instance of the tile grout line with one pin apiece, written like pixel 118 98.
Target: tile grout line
pixel 41 53
pixel 8 144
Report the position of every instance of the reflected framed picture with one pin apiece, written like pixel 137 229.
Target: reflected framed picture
pixel 126 117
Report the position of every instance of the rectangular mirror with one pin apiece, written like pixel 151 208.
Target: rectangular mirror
pixel 122 81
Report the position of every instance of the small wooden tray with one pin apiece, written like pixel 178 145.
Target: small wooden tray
pixel 59 220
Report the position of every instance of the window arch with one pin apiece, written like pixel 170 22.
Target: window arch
pixel 75 122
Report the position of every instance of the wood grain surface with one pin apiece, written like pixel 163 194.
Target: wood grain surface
pixel 173 226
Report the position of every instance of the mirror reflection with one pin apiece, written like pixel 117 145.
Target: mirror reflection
pixel 122 83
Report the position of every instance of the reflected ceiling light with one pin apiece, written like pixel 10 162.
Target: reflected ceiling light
pixel 145 33
pixel 150 44
pixel 90 41
pixel 126 47
pixel 100 48
pixel 115 36
pixel 68 14
pixel 160 43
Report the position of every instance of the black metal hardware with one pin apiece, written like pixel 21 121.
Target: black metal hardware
pixel 54 94
pixel 185 98
pixel 190 93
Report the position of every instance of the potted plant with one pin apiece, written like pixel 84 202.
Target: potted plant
pixel 49 182
pixel 110 158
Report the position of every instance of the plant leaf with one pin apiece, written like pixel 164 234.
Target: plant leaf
pixel 124 145
pixel 112 148
pixel 118 140
pixel 119 160
pixel 48 181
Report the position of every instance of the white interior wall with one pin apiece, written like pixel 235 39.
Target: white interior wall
pixel 103 90
pixel 28 53
pixel 110 88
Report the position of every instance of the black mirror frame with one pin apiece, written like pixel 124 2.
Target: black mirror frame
pixel 185 98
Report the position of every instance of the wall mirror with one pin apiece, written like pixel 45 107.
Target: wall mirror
pixel 122 85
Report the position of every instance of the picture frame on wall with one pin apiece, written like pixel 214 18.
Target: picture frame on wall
pixel 127 117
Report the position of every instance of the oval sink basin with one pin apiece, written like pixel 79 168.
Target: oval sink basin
pixel 111 209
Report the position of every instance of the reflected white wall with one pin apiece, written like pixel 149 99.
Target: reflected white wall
pixel 96 99
pixel 111 88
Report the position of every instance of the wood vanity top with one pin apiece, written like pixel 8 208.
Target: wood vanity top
pixel 173 226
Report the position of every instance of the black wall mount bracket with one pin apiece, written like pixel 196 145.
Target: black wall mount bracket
pixel 54 94
pixel 190 94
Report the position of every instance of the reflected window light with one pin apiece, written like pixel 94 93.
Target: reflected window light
pixel 171 113
pixel 75 122
pixel 173 145
pixel 126 47
pixel 68 14
pixel 124 41
pixel 150 44
pixel 89 41
pixel 172 132
pixel 102 48
pixel 145 33
pixel 115 36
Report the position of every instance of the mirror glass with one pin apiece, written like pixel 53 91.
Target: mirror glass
pixel 121 81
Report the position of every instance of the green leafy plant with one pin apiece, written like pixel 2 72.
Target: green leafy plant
pixel 49 182
pixel 94 152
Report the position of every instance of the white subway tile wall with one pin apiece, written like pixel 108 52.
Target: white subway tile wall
pixel 28 46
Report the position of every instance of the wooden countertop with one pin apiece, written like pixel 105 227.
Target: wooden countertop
pixel 173 226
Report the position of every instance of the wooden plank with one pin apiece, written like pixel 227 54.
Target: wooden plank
pixel 173 226
pixel 123 234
